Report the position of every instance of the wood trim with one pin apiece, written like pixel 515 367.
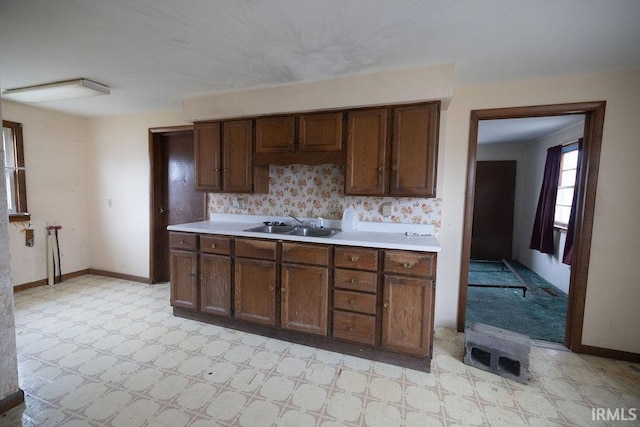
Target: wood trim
pixel 122 276
pixel 305 158
pixel 43 282
pixel 592 141
pixel 11 401
pixel 609 353
pixel 19 217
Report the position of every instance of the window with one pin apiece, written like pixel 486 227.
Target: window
pixel 568 168
pixel 14 172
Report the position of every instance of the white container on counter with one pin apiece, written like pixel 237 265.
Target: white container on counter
pixel 350 219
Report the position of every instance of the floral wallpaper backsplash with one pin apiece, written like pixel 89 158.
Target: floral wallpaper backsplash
pixel 318 191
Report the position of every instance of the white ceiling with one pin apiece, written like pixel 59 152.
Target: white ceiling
pixel 524 130
pixel 152 53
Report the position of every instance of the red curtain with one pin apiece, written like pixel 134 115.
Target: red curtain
pixel 567 255
pixel 542 235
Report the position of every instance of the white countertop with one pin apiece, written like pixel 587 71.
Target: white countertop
pixel 394 236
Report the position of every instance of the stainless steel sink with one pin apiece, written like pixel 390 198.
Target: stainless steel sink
pixel 272 229
pixel 294 231
pixel 313 232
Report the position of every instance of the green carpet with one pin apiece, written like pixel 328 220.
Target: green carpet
pixel 540 315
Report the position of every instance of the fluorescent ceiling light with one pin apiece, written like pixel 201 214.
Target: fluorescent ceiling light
pixel 58 91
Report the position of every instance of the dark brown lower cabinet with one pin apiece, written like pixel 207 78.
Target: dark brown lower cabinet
pixel 367 302
pixel 406 315
pixel 215 284
pixel 304 298
pixel 184 279
pixel 255 290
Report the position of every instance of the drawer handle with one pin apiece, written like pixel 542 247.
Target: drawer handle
pixel 270 288
pixel 194 275
pixel 386 305
pixel 283 290
pixel 352 329
pixel 407 265
pixel 352 302
pixel 355 259
pixel 213 246
pixel 354 280
pixel 182 242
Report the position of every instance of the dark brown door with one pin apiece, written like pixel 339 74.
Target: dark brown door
pixel 208 157
pixel 320 132
pixel 366 172
pixel 215 284
pixel 492 231
pixel 255 290
pixel 304 297
pixel 174 198
pixel 414 149
pixel 275 134
pixel 238 152
pixel 406 323
pixel 184 279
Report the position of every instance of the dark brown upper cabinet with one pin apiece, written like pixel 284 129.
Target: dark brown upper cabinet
pixel 312 139
pixel 397 162
pixel 224 158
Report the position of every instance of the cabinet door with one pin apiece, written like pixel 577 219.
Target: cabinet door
pixel 414 150
pixel 366 171
pixel 320 132
pixel 237 149
pixel 275 134
pixel 255 291
pixel 304 297
pixel 406 315
pixel 215 284
pixel 184 279
pixel 207 156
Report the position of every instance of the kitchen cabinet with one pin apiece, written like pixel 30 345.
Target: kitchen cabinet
pixel 367 137
pixel 407 309
pixel 215 275
pixel 402 162
pixel 304 289
pixel 224 158
pixel 312 139
pixel 255 281
pixel 369 302
pixel 183 260
pixel 355 295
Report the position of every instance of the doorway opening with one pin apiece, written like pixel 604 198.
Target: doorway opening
pixel 585 188
pixel 173 197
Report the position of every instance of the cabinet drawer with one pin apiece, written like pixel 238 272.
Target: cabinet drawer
pixel 354 327
pixel 354 301
pixel 184 241
pixel 356 280
pixel 215 245
pixel 306 254
pixel 412 263
pixel 358 258
pixel 253 248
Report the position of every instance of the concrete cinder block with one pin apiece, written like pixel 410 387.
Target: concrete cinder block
pixel 499 351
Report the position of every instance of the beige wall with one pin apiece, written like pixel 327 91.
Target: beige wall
pixel 118 170
pixel 55 158
pixel 611 312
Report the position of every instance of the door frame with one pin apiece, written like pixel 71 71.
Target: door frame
pixel 155 159
pixel 586 187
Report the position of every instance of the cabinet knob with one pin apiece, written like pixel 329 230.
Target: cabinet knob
pixel 352 328
pixel 202 277
pixel 407 265
pixel 217 169
pixel 283 290
pixel 270 288
pixel 386 305
pixel 213 246
pixel 380 169
pixel 354 259
pixel 352 302
pixel 194 275
pixel 354 280
pixel 394 168
pixel 181 242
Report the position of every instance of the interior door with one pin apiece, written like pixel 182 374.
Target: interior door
pixel 175 199
pixel 492 231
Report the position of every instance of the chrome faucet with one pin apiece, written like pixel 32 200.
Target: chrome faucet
pixel 301 222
